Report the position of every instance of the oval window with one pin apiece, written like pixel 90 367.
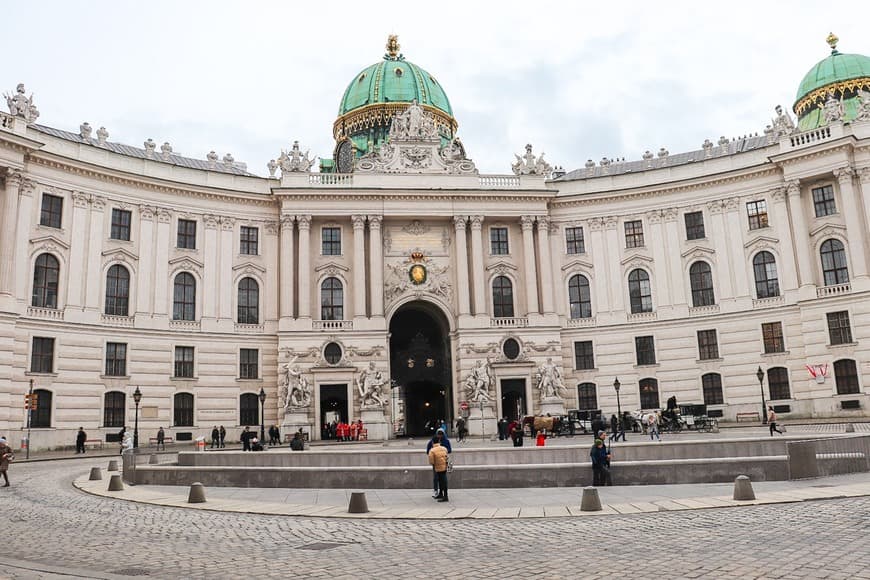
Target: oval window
pixel 511 349
pixel 332 353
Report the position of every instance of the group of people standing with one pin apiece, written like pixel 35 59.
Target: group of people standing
pixel 341 431
pixel 439 449
pixel 218 436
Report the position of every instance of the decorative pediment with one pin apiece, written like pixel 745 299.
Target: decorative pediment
pixel 185 263
pixel 332 268
pixel 828 229
pixel 49 243
pixel 577 265
pixel 249 268
pixel 120 255
pixel 637 259
pixel 698 252
pixel 761 242
pixel 501 267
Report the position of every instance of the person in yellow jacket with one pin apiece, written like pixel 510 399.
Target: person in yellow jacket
pixel 438 460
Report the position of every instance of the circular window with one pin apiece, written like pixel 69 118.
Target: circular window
pixel 511 349
pixel 332 353
pixel 399 72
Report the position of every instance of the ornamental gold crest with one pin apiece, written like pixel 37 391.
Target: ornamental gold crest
pixel 417 272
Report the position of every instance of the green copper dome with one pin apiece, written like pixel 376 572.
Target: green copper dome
pixel 394 81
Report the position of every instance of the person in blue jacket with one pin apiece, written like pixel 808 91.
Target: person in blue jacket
pixel 441 437
pixel 600 464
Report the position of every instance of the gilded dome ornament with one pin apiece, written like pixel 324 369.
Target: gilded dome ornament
pixel 832 41
pixel 393 48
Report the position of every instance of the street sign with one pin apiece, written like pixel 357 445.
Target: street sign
pixel 31 401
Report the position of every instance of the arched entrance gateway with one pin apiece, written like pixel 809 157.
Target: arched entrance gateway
pixel 421 368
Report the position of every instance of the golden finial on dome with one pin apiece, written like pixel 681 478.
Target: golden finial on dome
pixel 832 41
pixel 393 46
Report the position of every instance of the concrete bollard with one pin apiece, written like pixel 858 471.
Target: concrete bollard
pixel 743 489
pixel 197 493
pixel 850 427
pixel 96 474
pixel 590 501
pixel 115 483
pixel 153 459
pixel 113 465
pixel 358 504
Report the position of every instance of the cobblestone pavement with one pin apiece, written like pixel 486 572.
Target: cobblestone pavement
pixel 51 530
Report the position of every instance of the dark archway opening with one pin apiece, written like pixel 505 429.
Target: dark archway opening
pixel 513 399
pixel 333 409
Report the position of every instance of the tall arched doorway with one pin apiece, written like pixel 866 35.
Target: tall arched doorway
pixel 421 367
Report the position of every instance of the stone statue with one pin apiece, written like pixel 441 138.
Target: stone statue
pixel 370 385
pixel 273 167
pixel 413 124
pixel 21 106
pixel 295 389
pixel 832 110
pixel 862 105
pixel 550 380
pixel 102 136
pixel 228 160
pixel 150 145
pixel 212 159
pixel 295 160
pixel 782 124
pixel 478 382
pixel 528 164
pixel 85 131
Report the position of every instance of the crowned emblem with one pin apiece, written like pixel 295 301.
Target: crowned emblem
pixel 417 272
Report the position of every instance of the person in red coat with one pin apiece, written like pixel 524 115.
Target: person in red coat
pixel 542 438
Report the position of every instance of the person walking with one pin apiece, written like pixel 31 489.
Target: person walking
pixel 223 435
pixel 438 459
pixel 161 439
pixel 653 427
pixel 771 421
pixel 246 439
pixel 441 439
pixel 122 434
pixel 600 456
pixel 81 437
pixel 461 431
pixel 6 456
pixel 215 438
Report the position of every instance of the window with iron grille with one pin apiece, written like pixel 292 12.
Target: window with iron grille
pixel 52 211
pixel 184 362
pixel 120 224
pixel 708 345
pixel 634 234
pixel 42 355
pixel 330 240
pixel 777 382
pixel 114 409
pixel 845 373
pixel 498 239
pixel 834 266
pixel 639 291
pixel 649 394
pixel 116 359
pixel 248 363
pixel 711 384
pixel 186 234
pixel 331 300
pixel 695 225
pixel 248 301
pixel 645 349
pixel 579 299
pixel 574 240
pixel 184 297
pixel 584 358
pixel 249 409
pixel 701 280
pixel 249 241
pixel 838 327
pixel 766 277
pixel 502 297
pixel 587 397
pixel 757 212
pixel 771 333
pixel 46 273
pixel 117 291
pixel 823 201
pixel 183 414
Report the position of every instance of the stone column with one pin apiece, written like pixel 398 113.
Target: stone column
pixel 672 256
pixel 852 213
pixel 530 274
pixel 269 304
pixel 286 271
pixel 376 265
pixel 546 271
pixel 304 223
pixel 618 283
pixel 75 293
pixel 477 265
pixel 209 290
pixel 600 287
pixel 802 241
pixel 94 273
pixel 736 260
pixel 864 174
pixel 225 270
pixel 145 273
pixel 786 268
pixel 557 248
pixel 23 273
pixel 719 224
pixel 161 268
pixel 359 266
pixel 7 231
pixel 657 241
pixel 461 248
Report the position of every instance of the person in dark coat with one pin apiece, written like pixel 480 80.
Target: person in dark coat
pixel 81 437
pixel 600 464
pixel 246 439
pixel 161 439
pixel 440 438
pixel 215 437
pixel 223 435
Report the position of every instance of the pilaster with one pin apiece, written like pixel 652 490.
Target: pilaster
pixel 851 212
pixel 477 273
pixel 14 179
pixel 545 274
pixel 530 274
pixel 461 249
pixel 376 256
pixel 359 266
pixel 304 223
pixel 285 274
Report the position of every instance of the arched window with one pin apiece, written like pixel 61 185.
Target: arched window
pixel 711 384
pixel 701 279
pixel 502 297
pixel 639 291
pixel 587 397
pixel 578 297
pixel 777 383
pixel 766 278
pixel 834 265
pixel 249 301
pixel 184 297
pixel 183 403
pixel 41 416
pixel 46 273
pixel 332 300
pixel 118 292
pixel 846 375
pixel 649 394
pixel 114 407
pixel 249 409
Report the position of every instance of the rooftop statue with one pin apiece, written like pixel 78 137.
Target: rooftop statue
pixel 393 48
pixel 22 106
pixel 782 123
pixel 413 124
pixel 295 160
pixel 832 110
pixel 862 112
pixel 528 164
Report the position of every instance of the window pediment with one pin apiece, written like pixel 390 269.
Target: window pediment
pixel 637 260
pixel 331 268
pixel 577 265
pixel 120 254
pixel 828 229
pixel 698 252
pixel 249 267
pixel 501 267
pixel 49 242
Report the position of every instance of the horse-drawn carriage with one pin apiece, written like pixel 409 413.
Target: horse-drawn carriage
pixel 556 425
pixel 695 417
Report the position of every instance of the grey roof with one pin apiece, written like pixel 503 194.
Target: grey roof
pixel 620 167
pixel 235 169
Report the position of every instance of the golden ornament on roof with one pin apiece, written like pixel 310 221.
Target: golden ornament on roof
pixel 832 41
pixel 393 46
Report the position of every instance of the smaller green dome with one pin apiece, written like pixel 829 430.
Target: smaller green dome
pixel 836 68
pixel 394 81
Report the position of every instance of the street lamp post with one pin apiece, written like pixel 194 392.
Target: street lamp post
pixel 760 375
pixel 29 419
pixel 262 397
pixel 137 397
pixel 616 385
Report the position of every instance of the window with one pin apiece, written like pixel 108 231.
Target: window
pixel 118 291
pixel 42 356
pixel 574 239
pixel 331 241
pixel 834 265
pixel 498 239
pixel 249 409
pixel 771 333
pixel 249 301
pixel 40 418
pixel 587 398
pixel 184 410
pixel 823 201
pixel 186 234
pixel 52 211
pixel 332 300
pixel 332 353
pixel 695 225
pixel 708 345
pixel 838 327
pixel 502 297
pixel 583 356
pixel 249 239
pixel 634 234
pixel 120 225
pixel 711 384
pixel 649 394
pixel 766 278
pixel 639 291
pixel 46 273
pixel 184 362
pixel 645 349
pixel 701 280
pixel 184 297
pixel 511 349
pixel 777 382
pixel 114 408
pixel 578 297
pixel 845 373
pixel 248 362
pixel 116 359
pixel 757 211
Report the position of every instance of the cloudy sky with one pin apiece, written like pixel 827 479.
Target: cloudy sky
pixel 577 81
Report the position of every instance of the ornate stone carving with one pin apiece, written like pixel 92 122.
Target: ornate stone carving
pixel 832 111
pixel 271 227
pixel 304 222
pixel 777 194
pixel 544 224
pixel 287 222
pixel 460 222
pixel 272 166
pixel 596 224
pixel 212 159
pixel 670 214
pixel 398 282
pixel 166 150
pixel 146 212
pixel 782 124
pixel 210 221
pixel 527 222
pixel 864 173
pixel 27 187
pixel 730 204
pixel 844 174
pixel 81 199
pixel 294 161
pixel 715 207
pixel 294 388
pixel 370 385
pixel 491 347
pixel 358 352
pixel 102 136
pixel 476 222
pixel 707 146
pixel 416 228
pixel 793 187
pixel 654 216
pixel 413 124
pixel 479 382
pixel 228 160
pixel 375 222
pixel 862 105
pixel 611 222
pixel 150 146
pixel 85 131
pixel 22 106
pixel 528 164
pixel 13 177
pixel 550 382
pixel 164 216
pixel 228 223
pixel 98 203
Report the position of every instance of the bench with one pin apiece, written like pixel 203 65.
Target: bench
pixel 95 442
pixel 153 440
pixel 753 416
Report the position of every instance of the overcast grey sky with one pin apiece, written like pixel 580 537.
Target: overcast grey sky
pixel 577 81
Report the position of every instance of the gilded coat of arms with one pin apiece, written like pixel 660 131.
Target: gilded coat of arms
pixel 417 272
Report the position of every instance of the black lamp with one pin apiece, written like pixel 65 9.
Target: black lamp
pixel 760 375
pixel 262 397
pixel 137 397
